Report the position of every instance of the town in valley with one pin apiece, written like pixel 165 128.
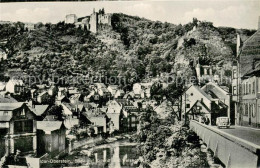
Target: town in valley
pixel 114 90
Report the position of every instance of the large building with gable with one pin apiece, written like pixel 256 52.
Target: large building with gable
pixel 246 81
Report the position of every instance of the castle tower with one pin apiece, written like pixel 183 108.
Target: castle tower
pixel 71 19
pixel 93 22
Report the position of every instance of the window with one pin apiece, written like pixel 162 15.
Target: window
pixel 187 105
pixel 23 113
pixel 246 109
pixel 234 73
pixel 253 110
pixel 133 125
pixel 234 90
pixel 244 88
pixel 258 84
pixel 249 88
pixel 23 126
pixel 253 88
pixel 191 94
pixel 24 144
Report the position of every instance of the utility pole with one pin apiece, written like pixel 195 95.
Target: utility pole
pixel 185 108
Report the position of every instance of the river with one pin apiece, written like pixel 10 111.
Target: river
pixel 113 155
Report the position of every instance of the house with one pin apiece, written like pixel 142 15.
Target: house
pixel 70 120
pixel 198 111
pixel 5 98
pixel 52 91
pixel 18 127
pixel 92 97
pixel 142 90
pixel 61 99
pixel 72 91
pixel 102 90
pixel 66 110
pixel 42 96
pixel 114 112
pixel 219 93
pixel 112 89
pixel 51 137
pixel 39 110
pixel 246 81
pixel 191 95
pixel 129 115
pixel 50 118
pixel 130 122
pixel 70 123
pixel 14 86
pixel 2 86
pixel 62 91
pixel 34 94
pixel 29 26
pixel 209 99
pixel 3 55
pixel 76 98
pixel 119 94
pixel 208 73
pixel 129 95
pixel 97 118
pixel 76 109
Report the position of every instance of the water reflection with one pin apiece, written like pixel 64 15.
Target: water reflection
pixel 114 155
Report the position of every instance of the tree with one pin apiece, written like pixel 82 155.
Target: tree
pixel 173 92
pixel 57 111
pixel 157 91
pixel 47 99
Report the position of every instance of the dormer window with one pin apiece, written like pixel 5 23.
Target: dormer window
pixel 23 113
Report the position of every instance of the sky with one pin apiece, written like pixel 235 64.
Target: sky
pixel 232 13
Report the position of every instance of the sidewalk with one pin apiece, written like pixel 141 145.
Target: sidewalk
pixel 257 129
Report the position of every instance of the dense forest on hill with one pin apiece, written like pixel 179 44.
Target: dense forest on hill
pixel 133 47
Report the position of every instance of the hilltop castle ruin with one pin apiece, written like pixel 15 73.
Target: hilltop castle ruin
pixel 92 22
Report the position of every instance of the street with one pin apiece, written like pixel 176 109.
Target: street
pixel 249 134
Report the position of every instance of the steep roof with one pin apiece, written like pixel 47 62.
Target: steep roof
pixel 66 110
pixel 249 52
pixel 50 118
pixel 39 109
pixel 49 125
pixel 7 99
pixel 10 106
pixel 214 90
pixel 43 93
pixel 198 102
pixel 5 118
pixel 16 82
pixel 113 86
pixel 200 91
